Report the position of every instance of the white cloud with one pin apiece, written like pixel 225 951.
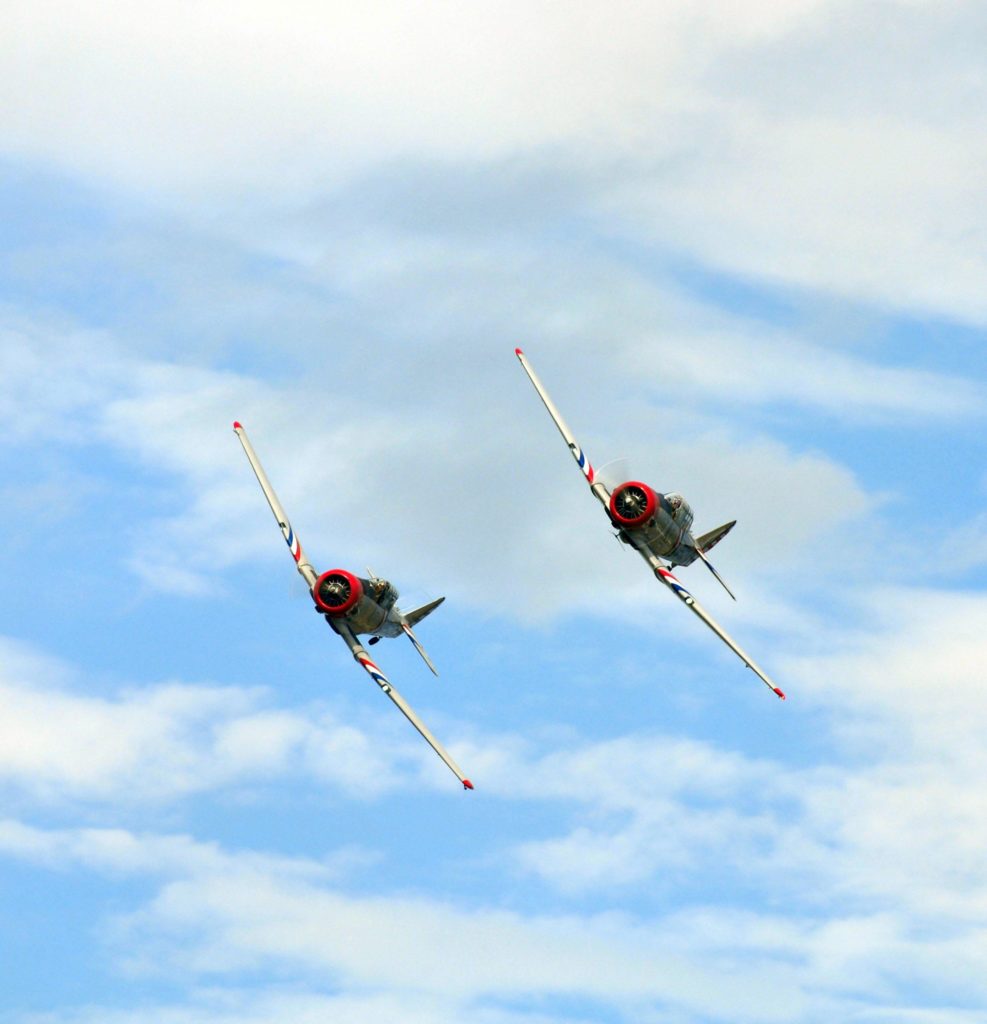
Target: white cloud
pixel 219 915
pixel 864 885
pixel 892 823
pixel 248 1006
pixel 119 851
pixel 742 366
pixel 457 485
pixel 872 211
pixel 808 143
pixel 364 84
pixel 169 741
pixel 908 657
pixel 53 376
pixel 213 923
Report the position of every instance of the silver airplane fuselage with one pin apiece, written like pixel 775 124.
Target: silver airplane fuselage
pixel 367 605
pixel 660 522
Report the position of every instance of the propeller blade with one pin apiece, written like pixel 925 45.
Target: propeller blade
pixel 615 473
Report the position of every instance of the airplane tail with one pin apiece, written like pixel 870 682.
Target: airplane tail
pixel 709 540
pixel 719 578
pixel 418 647
pixel 412 618
pixel 417 614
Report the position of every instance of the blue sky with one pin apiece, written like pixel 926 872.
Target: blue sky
pixel 744 249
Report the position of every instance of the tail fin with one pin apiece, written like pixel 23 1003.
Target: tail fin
pixel 417 614
pixel 709 540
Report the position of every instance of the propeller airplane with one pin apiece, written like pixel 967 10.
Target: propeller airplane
pixel 354 605
pixel 657 526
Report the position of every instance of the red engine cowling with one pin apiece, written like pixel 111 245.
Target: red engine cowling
pixel 337 592
pixel 632 504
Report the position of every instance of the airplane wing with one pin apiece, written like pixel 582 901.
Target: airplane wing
pixel 663 574
pixel 385 684
pixel 597 487
pixel 294 544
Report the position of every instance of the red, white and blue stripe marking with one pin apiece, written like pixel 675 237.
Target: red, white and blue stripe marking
pixel 684 594
pixel 292 541
pixel 584 464
pixel 375 673
pixel 675 585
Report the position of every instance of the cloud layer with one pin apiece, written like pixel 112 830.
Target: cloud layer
pixel 840 914
pixel 699 128
pixel 743 246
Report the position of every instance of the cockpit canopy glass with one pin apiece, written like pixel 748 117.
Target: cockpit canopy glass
pixel 384 593
pixel 681 510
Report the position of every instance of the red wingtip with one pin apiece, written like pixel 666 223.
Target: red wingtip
pixel 518 352
pixel 776 690
pixel 467 784
pixel 237 425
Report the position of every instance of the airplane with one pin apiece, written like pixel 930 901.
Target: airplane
pixel 353 605
pixel 657 526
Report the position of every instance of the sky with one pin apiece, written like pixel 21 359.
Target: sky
pixel 744 247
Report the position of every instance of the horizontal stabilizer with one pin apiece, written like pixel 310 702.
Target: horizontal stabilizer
pixel 418 647
pixel 719 578
pixel 711 539
pixel 417 614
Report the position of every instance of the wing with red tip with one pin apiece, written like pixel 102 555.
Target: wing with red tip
pixel 291 539
pixel 664 575
pixel 360 654
pixel 597 486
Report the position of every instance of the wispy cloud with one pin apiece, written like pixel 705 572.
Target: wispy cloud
pixel 218 914
pixel 838 916
pixel 700 124
pixel 213 924
pixel 172 420
pixel 160 743
pixel 744 246
pixel 273 1006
